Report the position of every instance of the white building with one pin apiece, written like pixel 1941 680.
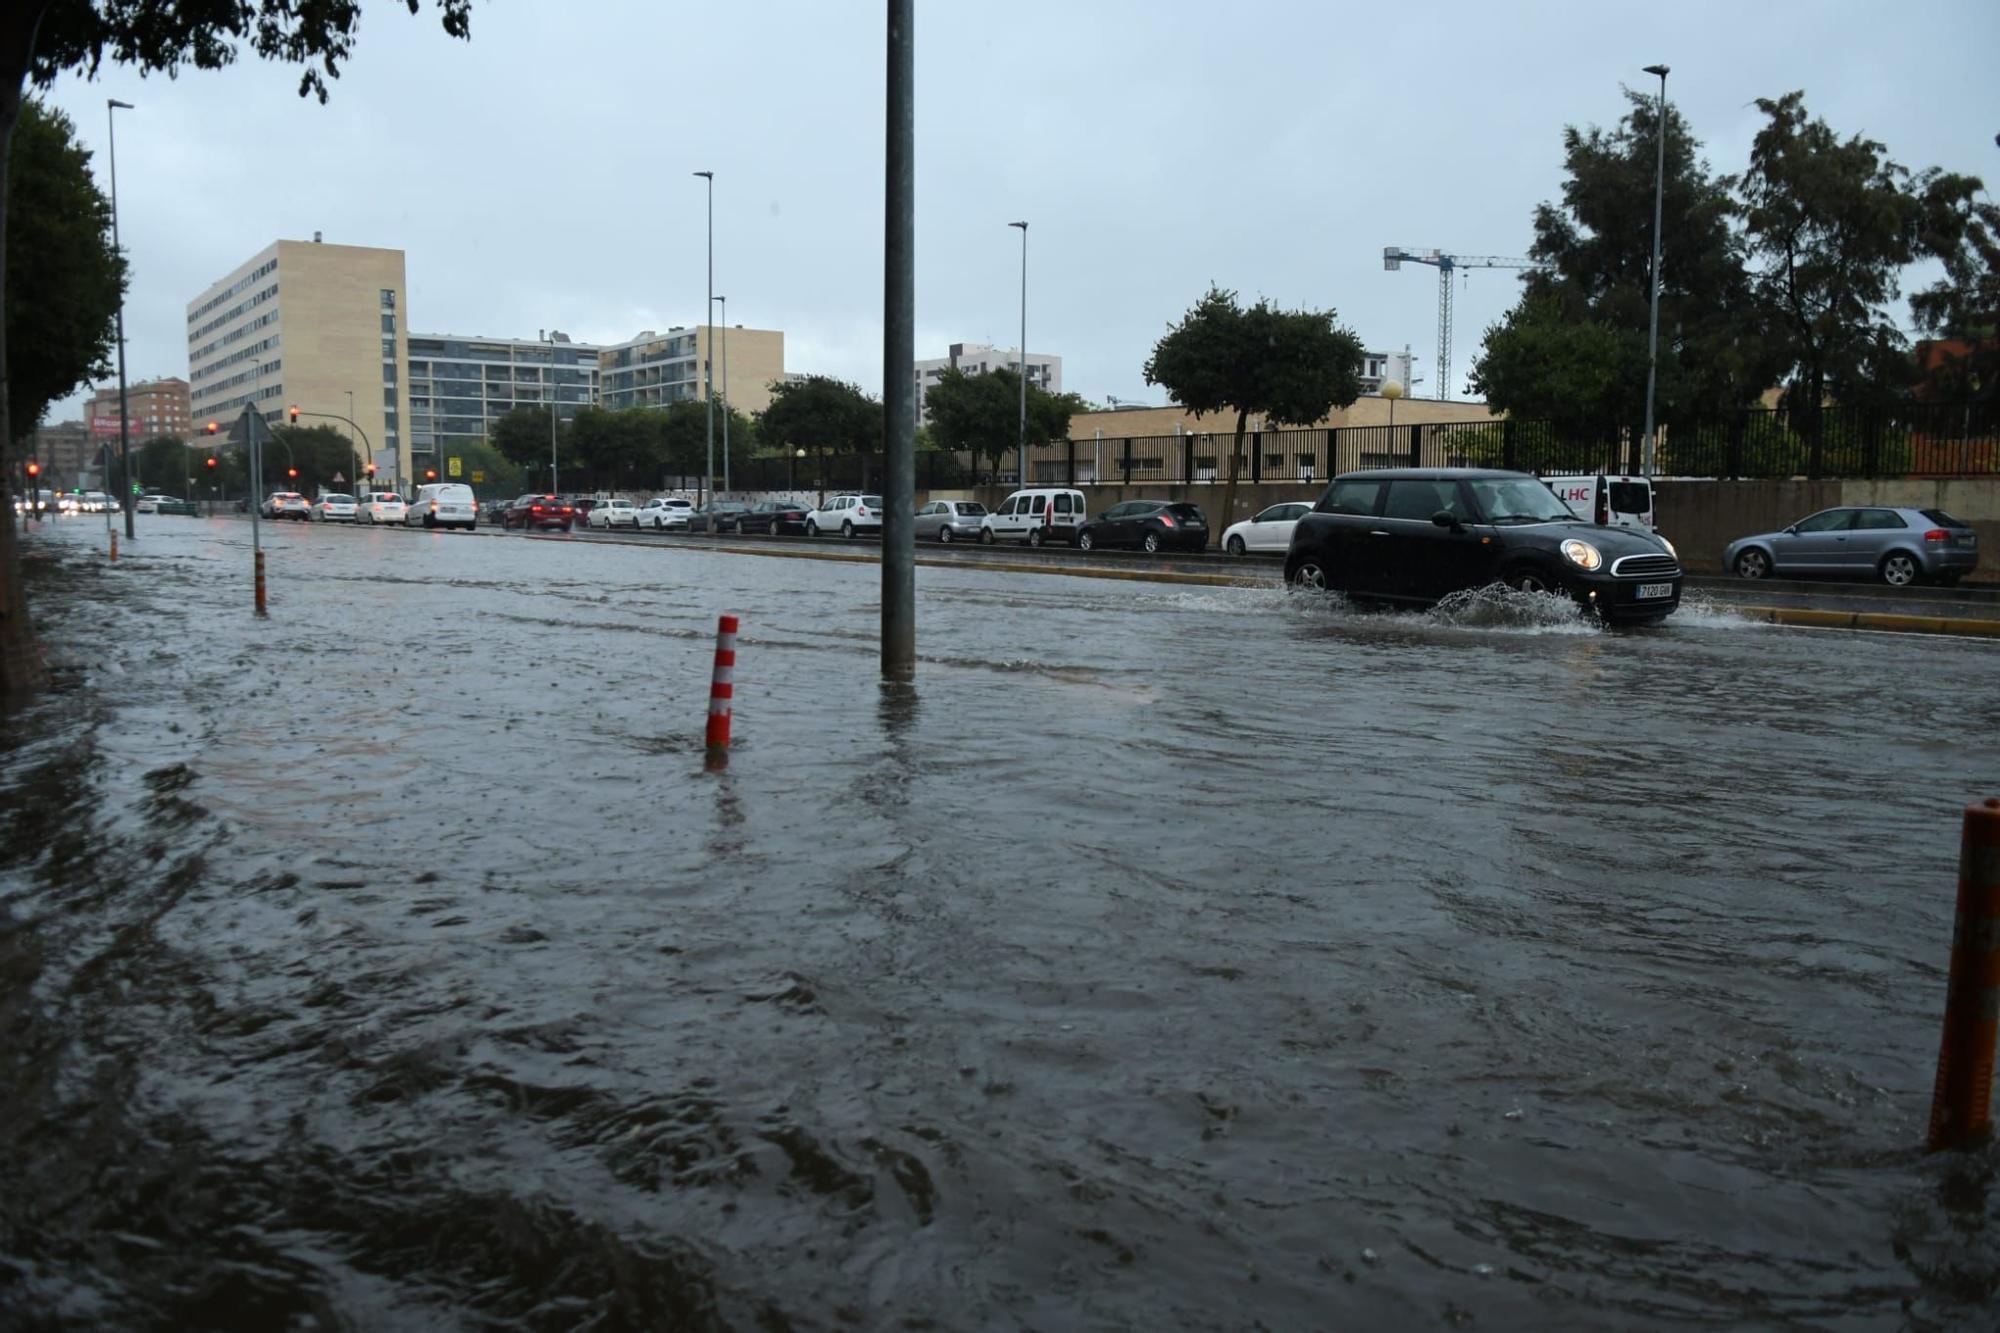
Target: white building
pixel 1044 371
pixel 1377 367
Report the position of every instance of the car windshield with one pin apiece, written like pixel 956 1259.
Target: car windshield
pixel 1937 516
pixel 336 499
pixel 1518 500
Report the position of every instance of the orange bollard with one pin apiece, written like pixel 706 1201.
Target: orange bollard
pixel 1962 1105
pixel 722 685
pixel 260 584
pixel 114 548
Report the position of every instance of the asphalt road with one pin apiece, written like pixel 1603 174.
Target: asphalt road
pixel 1164 957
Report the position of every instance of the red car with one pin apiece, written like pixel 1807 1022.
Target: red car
pixel 539 512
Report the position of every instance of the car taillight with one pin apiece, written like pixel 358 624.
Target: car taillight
pixel 434 506
pixel 1166 520
pixel 861 512
pixel 1937 535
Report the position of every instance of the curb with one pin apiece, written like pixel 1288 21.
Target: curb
pixel 1812 618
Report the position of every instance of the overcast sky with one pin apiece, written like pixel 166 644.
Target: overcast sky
pixel 539 175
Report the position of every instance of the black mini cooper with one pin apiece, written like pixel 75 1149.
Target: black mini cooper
pixel 1416 534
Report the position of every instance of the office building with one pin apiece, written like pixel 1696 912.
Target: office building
pixel 158 407
pixel 320 327
pixel 1378 367
pixel 461 384
pixel 1044 371
pixel 654 369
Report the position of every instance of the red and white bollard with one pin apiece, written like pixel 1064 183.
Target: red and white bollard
pixel 722 686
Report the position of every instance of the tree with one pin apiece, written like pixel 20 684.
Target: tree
pixel 1287 365
pixel 1574 349
pixel 47 38
pixel 823 416
pixel 162 462
pixel 981 414
pixel 64 279
pixel 522 437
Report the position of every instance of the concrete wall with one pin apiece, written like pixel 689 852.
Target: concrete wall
pixel 1368 410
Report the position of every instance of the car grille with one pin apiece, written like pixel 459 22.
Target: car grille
pixel 1644 566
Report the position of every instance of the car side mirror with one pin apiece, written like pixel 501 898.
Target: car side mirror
pixel 1444 518
pixel 1792 531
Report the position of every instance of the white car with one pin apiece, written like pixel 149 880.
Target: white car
pixel 1620 502
pixel 335 509
pixel 1269 531
pixel 443 504
pixel 663 511
pixel 92 502
pixel 380 507
pixel 287 504
pixel 847 515
pixel 614 514
pixel 1043 514
pixel 147 504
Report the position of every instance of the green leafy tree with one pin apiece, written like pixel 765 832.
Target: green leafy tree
pixel 1286 365
pixel 981 415
pixel 522 437
pixel 616 449
pixel 488 472
pixel 163 462
pixel 63 278
pixel 44 39
pixel 1573 351
pixel 822 415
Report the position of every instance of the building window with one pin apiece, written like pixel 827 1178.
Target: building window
pixel 388 298
pixel 388 323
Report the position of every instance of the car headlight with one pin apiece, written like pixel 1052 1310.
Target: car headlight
pixel 1582 554
pixel 1670 548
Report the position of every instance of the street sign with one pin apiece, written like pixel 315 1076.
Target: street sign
pixel 451 466
pixel 338 479
pixel 478 478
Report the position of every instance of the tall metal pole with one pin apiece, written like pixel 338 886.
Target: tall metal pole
pixel 899 350
pixel 723 301
pixel 1648 451
pixel 111 106
pixel 1023 440
pixel 554 487
pixel 708 348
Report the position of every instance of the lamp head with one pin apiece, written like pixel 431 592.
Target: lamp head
pixel 1657 71
pixel 112 101
pixel 706 175
pixel 1022 225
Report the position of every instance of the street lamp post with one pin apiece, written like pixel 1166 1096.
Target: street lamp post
pixel 1023 440
pixel 111 108
pixel 723 301
pixel 1649 451
pixel 707 351
pixel 554 489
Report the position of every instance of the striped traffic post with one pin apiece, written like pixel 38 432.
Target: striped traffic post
pixel 1962 1104
pixel 260 584
pixel 722 686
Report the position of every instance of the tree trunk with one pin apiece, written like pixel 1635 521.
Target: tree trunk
pixel 22 670
pixel 1229 487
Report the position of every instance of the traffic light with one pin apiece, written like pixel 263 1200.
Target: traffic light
pixel 292 472
pixel 211 428
pixel 371 472
pixel 295 416
pixel 430 474
pixel 211 462
pixel 34 469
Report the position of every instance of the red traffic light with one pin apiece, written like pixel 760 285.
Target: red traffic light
pixel 430 474
pixel 211 462
pixel 295 416
pixel 211 430
pixel 371 469
pixel 34 469
pixel 292 472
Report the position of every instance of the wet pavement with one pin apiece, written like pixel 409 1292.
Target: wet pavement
pixel 1165 957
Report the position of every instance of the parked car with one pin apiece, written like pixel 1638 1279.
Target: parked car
pixel 950 520
pixel 665 511
pixel 1036 516
pixel 146 504
pixel 381 507
pixel 443 504
pixel 538 513
pixel 775 517
pixel 491 510
pixel 1625 502
pixel 846 514
pixel 1897 545
pixel 717 516
pixel 613 514
pixel 333 508
pixel 1269 531
pixel 287 504
pixel 165 504
pixel 1149 525
pixel 582 505
pixel 1415 535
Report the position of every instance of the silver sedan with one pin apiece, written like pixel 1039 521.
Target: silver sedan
pixel 1897 545
pixel 950 520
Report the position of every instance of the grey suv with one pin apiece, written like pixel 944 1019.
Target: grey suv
pixel 1900 546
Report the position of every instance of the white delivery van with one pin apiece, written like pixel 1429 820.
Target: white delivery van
pixel 1621 502
pixel 1034 516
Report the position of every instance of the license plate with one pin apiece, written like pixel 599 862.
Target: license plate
pixel 1648 591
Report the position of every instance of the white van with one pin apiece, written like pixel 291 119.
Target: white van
pixel 1620 502
pixel 1046 514
pixel 443 504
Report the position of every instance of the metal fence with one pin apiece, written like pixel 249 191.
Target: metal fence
pixel 1915 440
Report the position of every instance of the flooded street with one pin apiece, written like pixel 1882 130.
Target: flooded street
pixel 1164 958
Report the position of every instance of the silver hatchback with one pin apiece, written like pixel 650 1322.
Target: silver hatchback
pixel 1897 545
pixel 950 520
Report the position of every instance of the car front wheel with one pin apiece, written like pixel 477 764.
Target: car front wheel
pixel 1308 575
pixel 812 528
pixel 1152 543
pixel 1084 541
pixel 1753 564
pixel 1236 547
pixel 1900 569
pixel 1527 578
pixel 986 536
pixel 1034 536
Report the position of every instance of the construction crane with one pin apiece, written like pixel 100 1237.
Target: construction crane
pixel 1393 257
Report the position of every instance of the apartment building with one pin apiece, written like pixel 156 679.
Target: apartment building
pixel 158 407
pixel 320 327
pixel 1379 367
pixel 655 369
pixel 461 384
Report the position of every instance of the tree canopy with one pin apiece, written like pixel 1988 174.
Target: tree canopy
pixel 981 414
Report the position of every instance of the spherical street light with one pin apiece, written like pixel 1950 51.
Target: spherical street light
pixel 1392 390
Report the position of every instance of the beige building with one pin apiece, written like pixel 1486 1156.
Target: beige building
pixel 1367 410
pixel 314 326
pixel 655 369
pixel 158 407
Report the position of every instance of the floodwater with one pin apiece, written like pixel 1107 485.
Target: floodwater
pixel 1163 958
